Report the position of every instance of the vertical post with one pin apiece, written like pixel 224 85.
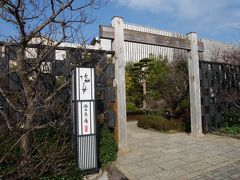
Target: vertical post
pixel 194 86
pixel 118 47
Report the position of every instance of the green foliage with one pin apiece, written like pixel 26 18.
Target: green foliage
pixel 158 72
pixel 108 147
pixel 166 82
pixel 169 81
pixel 231 117
pixel 51 157
pixel 234 130
pixel 231 121
pixel 60 80
pixel 131 106
pixel 160 123
pixel 134 93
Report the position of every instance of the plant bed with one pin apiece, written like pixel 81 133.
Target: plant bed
pixel 161 124
pixel 107 147
pixel 135 117
pixel 230 123
pixel 226 135
pixel 139 114
pixel 229 131
pixel 52 156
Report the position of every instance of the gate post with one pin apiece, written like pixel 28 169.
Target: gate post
pixel 194 86
pixel 118 47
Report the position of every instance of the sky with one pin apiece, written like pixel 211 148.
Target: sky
pixel 217 20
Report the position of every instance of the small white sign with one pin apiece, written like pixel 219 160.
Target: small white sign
pixel 46 67
pixel 86 118
pixel 85 84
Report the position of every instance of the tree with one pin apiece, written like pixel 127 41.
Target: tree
pixel 231 56
pixel 134 93
pixel 41 27
pixel 222 54
pixel 169 81
pixel 141 70
pixel 166 82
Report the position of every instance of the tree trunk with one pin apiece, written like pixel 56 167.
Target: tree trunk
pixel 25 142
pixel 144 93
pixel 29 103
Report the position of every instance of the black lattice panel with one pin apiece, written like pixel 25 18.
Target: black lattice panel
pixel 216 80
pixel 56 67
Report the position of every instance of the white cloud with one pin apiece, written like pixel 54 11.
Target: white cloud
pixel 155 6
pixel 184 8
pixel 219 15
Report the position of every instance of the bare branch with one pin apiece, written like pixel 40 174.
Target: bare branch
pixel 52 6
pixel 10 102
pixel 56 92
pixel 48 21
pixel 6 120
pixel 8 19
pixel 45 54
pixel 10 149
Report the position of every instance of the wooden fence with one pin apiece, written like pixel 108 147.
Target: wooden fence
pixel 218 80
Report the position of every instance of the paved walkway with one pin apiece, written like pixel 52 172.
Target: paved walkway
pixel 154 155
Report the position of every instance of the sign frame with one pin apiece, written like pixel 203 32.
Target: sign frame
pixel 86 144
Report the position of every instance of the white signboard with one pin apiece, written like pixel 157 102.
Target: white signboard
pixel 84 118
pixel 84 94
pixel 85 84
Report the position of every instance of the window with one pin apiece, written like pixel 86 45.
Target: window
pixel 60 55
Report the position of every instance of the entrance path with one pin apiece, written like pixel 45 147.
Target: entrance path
pixel 154 155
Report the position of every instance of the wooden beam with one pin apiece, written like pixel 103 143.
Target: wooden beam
pixel 154 39
pixel 194 86
pixel 118 47
pixel 107 32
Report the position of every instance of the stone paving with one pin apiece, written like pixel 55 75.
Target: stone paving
pixel 154 155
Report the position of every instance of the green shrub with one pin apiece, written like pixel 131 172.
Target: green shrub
pixel 137 112
pixel 234 130
pixel 140 114
pixel 161 124
pixel 131 106
pixel 52 156
pixel 231 117
pixel 108 147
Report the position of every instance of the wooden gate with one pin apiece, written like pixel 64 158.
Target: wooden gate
pixel 118 35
